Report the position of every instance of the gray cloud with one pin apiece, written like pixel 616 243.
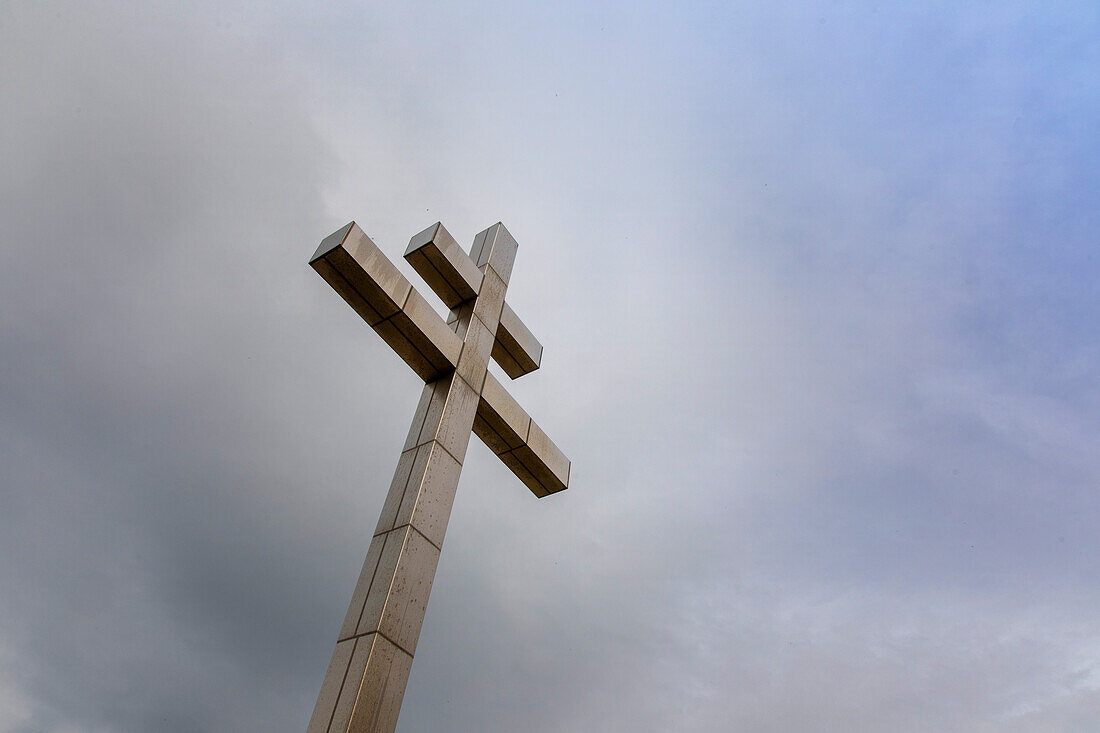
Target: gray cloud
pixel 816 295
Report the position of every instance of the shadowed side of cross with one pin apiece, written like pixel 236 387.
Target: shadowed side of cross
pixel 365 681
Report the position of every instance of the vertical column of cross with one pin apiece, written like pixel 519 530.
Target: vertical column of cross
pixel 366 678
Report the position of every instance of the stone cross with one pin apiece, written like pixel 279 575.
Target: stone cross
pixel 365 681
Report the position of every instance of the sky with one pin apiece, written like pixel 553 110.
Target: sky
pixel 817 288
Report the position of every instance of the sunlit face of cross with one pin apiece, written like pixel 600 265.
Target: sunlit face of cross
pixel 370 665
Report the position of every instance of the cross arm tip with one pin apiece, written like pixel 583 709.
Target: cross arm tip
pixel 332 241
pixel 519 442
pixel 356 269
pixel 442 263
pixel 424 237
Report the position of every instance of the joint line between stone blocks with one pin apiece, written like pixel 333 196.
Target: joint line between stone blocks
pixel 343 681
pixel 411 526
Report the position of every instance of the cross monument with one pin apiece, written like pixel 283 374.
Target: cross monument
pixel 365 681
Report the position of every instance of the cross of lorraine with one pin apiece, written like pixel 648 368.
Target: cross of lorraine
pixel 365 681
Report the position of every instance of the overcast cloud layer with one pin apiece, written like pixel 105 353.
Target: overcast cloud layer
pixel 817 285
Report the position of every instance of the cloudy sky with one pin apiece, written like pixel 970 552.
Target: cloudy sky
pixel 817 285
